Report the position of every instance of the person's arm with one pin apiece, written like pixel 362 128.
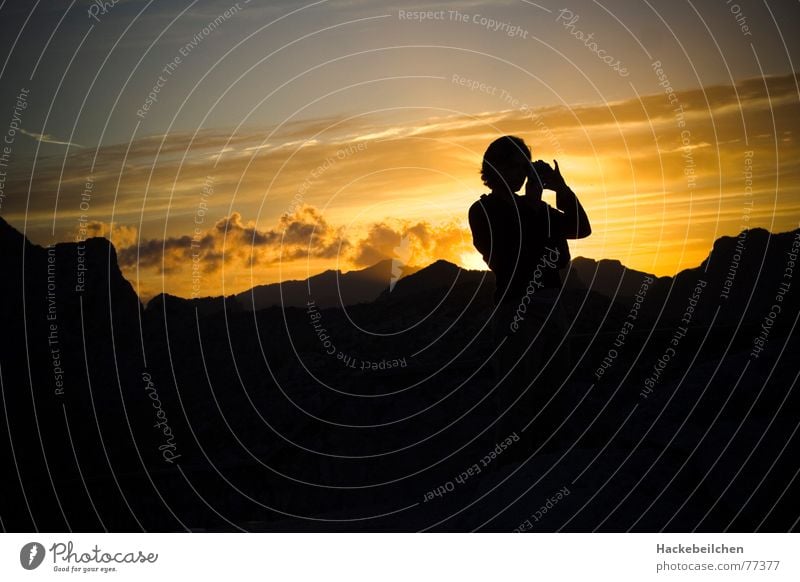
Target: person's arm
pixel 575 222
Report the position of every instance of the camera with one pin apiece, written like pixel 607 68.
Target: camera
pixel 542 170
pixel 540 175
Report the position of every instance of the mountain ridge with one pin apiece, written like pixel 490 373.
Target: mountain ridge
pixel 338 288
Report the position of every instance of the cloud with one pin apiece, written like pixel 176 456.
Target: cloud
pixel 233 242
pixel 302 234
pixel 47 138
pixel 120 235
pixel 422 242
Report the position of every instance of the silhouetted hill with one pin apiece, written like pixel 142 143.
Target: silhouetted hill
pixel 202 305
pixel 328 289
pixel 608 277
pixel 755 257
pixel 438 279
pixel 69 367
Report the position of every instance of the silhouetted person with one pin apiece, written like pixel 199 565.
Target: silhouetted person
pixel 524 241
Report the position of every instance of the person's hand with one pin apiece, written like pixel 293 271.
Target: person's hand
pixel 555 181
pixel 535 183
pixel 543 176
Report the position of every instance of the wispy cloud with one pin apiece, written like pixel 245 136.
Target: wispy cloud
pixel 47 138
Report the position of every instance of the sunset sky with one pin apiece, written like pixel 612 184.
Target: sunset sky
pixel 264 141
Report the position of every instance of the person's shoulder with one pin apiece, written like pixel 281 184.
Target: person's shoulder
pixel 481 204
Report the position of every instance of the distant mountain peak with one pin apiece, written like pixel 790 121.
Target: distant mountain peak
pixel 331 288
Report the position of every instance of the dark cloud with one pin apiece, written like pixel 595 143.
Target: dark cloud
pixel 302 234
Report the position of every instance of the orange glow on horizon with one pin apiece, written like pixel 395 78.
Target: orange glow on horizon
pixel 348 191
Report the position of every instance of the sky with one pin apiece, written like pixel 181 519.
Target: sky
pixel 221 145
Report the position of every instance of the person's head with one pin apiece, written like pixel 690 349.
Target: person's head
pixel 506 163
